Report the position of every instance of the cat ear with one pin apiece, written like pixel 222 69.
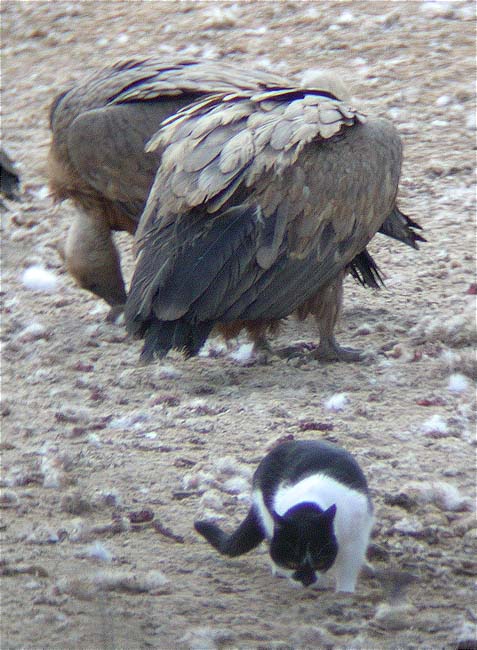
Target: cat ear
pixel 329 514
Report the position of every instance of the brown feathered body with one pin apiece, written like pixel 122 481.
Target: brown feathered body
pixel 262 201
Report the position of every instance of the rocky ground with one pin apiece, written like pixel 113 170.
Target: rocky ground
pixel 106 464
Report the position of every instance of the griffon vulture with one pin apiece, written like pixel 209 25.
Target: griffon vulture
pixel 100 128
pixel 262 201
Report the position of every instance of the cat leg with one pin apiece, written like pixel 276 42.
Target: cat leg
pixel 247 536
pixel 348 564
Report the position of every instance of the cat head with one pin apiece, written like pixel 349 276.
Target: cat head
pixel 304 541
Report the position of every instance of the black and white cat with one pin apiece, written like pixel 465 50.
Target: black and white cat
pixel 311 502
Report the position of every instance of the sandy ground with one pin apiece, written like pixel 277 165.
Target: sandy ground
pixel 94 446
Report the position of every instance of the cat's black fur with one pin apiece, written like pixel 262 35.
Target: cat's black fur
pixel 302 539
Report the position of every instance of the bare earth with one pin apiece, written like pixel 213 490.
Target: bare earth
pixel 91 441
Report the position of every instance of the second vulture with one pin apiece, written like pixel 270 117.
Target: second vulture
pixel 262 201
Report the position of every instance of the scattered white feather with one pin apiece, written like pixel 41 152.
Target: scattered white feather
pixel 434 424
pixel 336 402
pixel 102 42
pixel 443 100
pixel 439 123
pixel 236 485
pixel 197 480
pixel 168 372
pixel 37 278
pixel 437 9
pixel 227 465
pixel 346 18
pixel 394 616
pixel 211 499
pixel 93 440
pixel 32 332
pixel 457 383
pixel 99 552
pixel 151 435
pixel 117 580
pixel 394 112
pixel 444 495
pixel 242 354
pixel 206 638
pixel 213 348
pixel 221 17
pixel 122 38
pixel 408 525
pixel 132 421
pixel 42 193
pixel 455 331
pixel 471 122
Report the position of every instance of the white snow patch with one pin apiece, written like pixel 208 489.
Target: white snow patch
pixel 457 383
pixel 243 353
pixel 37 278
pixel 99 552
pixel 435 424
pixel 336 402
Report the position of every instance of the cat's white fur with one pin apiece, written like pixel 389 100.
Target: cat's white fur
pixel 352 524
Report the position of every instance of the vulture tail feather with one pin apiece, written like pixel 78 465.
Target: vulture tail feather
pixel 364 270
pixel 401 227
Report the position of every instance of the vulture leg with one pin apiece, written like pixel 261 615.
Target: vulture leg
pixel 92 259
pixel 327 310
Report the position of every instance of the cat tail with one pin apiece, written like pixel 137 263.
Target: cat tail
pixel 247 536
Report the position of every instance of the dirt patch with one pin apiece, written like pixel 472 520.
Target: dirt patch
pixel 107 464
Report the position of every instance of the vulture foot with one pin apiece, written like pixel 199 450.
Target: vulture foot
pixel 329 350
